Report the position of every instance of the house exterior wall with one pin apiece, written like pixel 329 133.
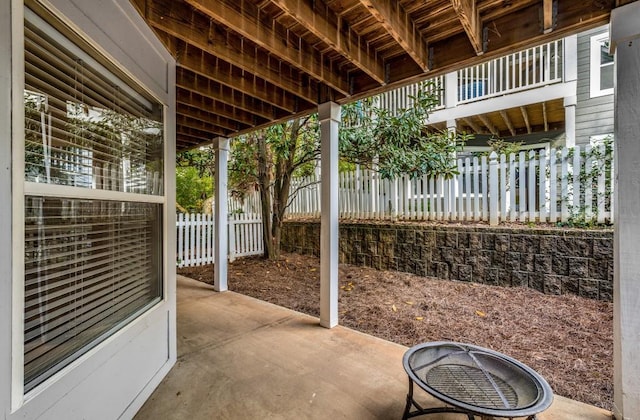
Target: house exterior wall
pixel 594 116
pixel 113 379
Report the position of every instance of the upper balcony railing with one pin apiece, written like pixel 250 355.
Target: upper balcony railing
pixel 534 67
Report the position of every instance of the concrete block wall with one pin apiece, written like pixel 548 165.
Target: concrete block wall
pixel 553 261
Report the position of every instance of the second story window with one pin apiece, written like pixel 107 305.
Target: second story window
pixel 601 66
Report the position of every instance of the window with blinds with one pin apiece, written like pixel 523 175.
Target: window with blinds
pixel 93 249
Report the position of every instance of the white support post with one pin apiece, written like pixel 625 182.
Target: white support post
pixel 329 116
pixel 221 146
pixel 493 189
pixel 625 42
pixel 570 121
pixel 451 89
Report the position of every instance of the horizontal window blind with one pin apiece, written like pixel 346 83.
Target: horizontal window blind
pixel 81 129
pixel 91 265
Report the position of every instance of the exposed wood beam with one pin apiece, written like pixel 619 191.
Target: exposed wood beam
pixel 185 142
pixel 296 52
pixel 469 17
pixel 475 127
pixel 525 116
pixel 208 105
pixel 492 128
pixel 206 65
pixel 211 89
pixel 507 121
pixel 202 33
pixel 349 45
pixel 544 116
pixel 548 19
pixel 209 118
pixel 399 25
pixel 199 135
pixel 183 120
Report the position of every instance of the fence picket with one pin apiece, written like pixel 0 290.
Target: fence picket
pixel 553 187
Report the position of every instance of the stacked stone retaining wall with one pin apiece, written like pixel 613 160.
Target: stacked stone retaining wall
pixel 553 261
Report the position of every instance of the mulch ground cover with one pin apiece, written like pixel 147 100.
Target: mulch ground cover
pixel 567 339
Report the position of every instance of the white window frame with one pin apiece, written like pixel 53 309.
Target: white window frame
pixel 22 188
pixel 595 66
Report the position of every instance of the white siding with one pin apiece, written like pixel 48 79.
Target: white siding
pixel 114 379
pixel 594 116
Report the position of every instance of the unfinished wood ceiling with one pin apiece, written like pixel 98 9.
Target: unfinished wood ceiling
pixel 244 64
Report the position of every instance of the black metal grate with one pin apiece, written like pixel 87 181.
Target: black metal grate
pixel 472 386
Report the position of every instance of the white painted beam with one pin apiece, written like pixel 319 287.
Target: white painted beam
pixel 221 146
pixel 625 37
pixel 329 116
pixel 512 100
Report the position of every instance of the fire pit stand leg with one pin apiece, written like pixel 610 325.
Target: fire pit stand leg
pixel 424 411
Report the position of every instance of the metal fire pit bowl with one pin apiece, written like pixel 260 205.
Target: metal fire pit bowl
pixel 474 381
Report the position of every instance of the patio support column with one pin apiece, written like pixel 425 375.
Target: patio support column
pixel 221 146
pixel 625 42
pixel 329 116
pixel 570 121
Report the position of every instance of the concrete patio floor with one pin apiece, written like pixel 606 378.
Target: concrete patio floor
pixel 241 358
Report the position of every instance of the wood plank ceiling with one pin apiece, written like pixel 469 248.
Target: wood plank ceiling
pixel 245 64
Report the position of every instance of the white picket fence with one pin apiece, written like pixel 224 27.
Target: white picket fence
pixel 536 186
pixel 531 187
pixel 195 237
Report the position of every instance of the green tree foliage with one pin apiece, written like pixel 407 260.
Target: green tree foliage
pixel 192 189
pixel 370 136
pixel 398 143
pixel 267 160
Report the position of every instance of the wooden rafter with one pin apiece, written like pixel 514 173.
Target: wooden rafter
pixel 474 126
pixel 206 65
pixel 525 116
pixel 269 37
pixel 213 90
pixel 507 121
pixel 325 27
pixel 188 101
pixel 469 17
pixel 547 16
pixel 213 118
pixel 399 25
pixel 492 128
pixel 203 34
pixel 200 135
pixel 189 119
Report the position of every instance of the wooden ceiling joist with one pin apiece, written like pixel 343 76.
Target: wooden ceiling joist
pixel 209 118
pixel 199 135
pixel 296 52
pixel 548 15
pixel 525 117
pixel 474 126
pixel 469 16
pixel 211 89
pixel 215 41
pixel 399 25
pixel 325 27
pixel 202 63
pixel 508 122
pixel 192 100
pixel 487 123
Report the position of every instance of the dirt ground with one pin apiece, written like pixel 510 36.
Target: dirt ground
pixel 567 339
